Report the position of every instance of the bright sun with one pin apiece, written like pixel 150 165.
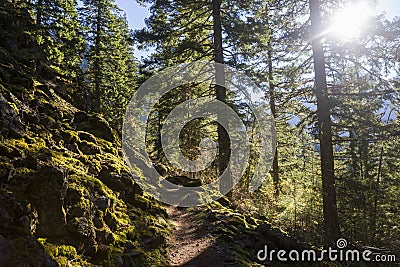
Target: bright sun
pixel 350 20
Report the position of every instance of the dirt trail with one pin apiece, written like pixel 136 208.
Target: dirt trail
pixel 190 245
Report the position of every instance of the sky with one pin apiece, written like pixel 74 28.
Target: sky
pixel 391 7
pixel 136 13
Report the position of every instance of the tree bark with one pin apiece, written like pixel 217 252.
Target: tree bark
pixel 376 197
pixel 275 164
pixel 96 63
pixel 37 66
pixel 331 222
pixel 220 91
pixel 39 7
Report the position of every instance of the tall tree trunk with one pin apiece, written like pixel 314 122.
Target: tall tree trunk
pixel 39 18
pixel 331 222
pixel 376 195
pixel 97 70
pixel 39 11
pixel 367 179
pixel 220 91
pixel 275 165
pixel 353 153
pixel 377 187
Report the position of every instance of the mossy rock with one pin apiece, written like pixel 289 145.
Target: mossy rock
pixel 10 151
pixel 48 181
pixel 89 148
pixel 87 137
pixel 29 252
pixel 95 125
pixel 184 181
pixel 6 169
pixel 84 232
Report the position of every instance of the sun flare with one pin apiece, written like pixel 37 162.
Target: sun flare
pixel 351 19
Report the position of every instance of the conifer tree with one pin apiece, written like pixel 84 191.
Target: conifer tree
pixel 110 66
pixel 60 35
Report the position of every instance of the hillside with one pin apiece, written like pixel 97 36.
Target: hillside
pixel 66 194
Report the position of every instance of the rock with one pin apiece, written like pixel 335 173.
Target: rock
pixel 84 234
pixel 10 123
pixel 118 262
pixel 6 170
pixel 89 148
pixel 105 237
pixel 80 117
pixel 25 223
pixel 184 181
pixel 73 148
pixel 247 243
pixel 103 203
pixel 13 216
pixel 95 125
pixel 264 228
pixel 154 241
pixel 45 191
pixel 123 182
pixel 6 218
pixel 97 222
pixel 87 137
pixel 10 152
pixel 6 252
pixel 28 162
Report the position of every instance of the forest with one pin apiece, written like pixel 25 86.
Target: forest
pixel 217 132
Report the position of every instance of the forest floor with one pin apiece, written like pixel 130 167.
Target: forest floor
pixel 193 244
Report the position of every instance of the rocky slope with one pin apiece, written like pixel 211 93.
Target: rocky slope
pixel 66 196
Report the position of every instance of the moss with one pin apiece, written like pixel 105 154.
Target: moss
pixel 64 255
pixel 14 107
pixel 67 251
pixel 67 162
pixel 89 148
pixel 118 231
pixel 107 146
pixel 87 137
pixel 23 171
pixel 92 184
pixel 93 162
pixel 70 136
pixel 116 220
pixel 17 143
pixel 10 151
pixel 25 145
pixel 116 162
pixel 50 249
pixel 242 256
